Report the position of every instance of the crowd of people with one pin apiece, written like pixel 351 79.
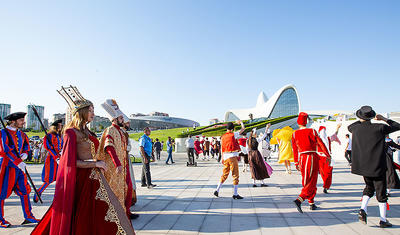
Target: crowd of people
pixel 95 183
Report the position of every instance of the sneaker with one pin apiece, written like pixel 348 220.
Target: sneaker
pixel 216 193
pixel 254 185
pixel 362 216
pixel 325 190
pixel 264 185
pixel 385 224
pixel 151 186
pixel 237 197
pixel 313 207
pixel 298 205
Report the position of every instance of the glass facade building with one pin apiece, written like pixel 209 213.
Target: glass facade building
pixel 5 110
pixel 287 104
pixel 32 121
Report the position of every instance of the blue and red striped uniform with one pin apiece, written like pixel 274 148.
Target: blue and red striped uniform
pixel 50 166
pixel 11 177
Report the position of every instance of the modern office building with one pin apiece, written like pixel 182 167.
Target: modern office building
pixel 5 109
pixel 159 120
pixel 285 102
pixel 58 116
pixel 32 121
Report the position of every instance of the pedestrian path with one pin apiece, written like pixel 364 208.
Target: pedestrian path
pixel 183 203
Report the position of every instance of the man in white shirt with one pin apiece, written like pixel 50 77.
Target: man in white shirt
pixel 190 149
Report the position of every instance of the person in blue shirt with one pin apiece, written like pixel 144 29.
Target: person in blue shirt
pixel 169 150
pixel 146 149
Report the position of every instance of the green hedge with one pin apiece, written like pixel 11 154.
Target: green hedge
pixel 218 131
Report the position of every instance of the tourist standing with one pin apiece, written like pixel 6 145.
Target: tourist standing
pixel 53 143
pixel 347 153
pixel 190 149
pixel 305 142
pixel 170 148
pixel 206 149
pixel 146 147
pixel 369 159
pixel 230 152
pixel 158 148
pixel 14 149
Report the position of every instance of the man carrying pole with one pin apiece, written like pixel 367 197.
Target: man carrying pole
pixel 53 143
pixel 14 149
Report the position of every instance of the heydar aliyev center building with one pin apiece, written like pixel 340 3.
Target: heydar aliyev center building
pixel 285 102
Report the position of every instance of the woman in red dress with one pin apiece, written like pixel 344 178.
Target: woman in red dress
pixel 83 201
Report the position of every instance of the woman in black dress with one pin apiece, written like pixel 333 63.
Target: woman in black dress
pixel 258 168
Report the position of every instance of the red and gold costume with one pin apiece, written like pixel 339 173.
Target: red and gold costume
pixel 113 151
pixel 305 143
pixel 325 169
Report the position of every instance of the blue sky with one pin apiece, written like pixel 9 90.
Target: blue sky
pixel 197 59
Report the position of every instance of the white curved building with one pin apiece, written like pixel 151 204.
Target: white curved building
pixel 285 102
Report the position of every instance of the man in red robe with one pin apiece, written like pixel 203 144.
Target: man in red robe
pixel 304 144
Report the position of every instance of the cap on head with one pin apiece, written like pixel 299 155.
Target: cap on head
pixel 321 128
pixel 302 120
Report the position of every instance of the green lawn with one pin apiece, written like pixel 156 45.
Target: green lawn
pixel 162 135
pixel 30 134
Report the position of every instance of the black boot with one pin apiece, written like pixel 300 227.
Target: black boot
pixel 313 207
pixel 297 202
pixel 385 224
pixel 216 193
pixel 325 190
pixel 237 197
pixel 362 216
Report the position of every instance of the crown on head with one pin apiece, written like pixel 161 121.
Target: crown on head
pixel 74 98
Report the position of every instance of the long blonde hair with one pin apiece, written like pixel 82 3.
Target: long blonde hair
pixel 79 120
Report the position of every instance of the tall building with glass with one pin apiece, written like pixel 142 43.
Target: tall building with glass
pixel 32 121
pixel 5 109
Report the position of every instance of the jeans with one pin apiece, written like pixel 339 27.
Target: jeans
pixel 158 154
pixel 190 153
pixel 146 176
pixel 169 157
pixel 347 155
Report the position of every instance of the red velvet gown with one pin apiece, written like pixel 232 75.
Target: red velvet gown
pixel 83 201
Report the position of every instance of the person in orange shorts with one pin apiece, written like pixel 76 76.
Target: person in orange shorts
pixel 230 153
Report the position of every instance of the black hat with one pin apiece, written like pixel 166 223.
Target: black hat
pixel 366 113
pixel 55 123
pixel 230 126
pixel 15 116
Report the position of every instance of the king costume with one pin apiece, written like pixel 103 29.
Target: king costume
pixel 12 174
pixel 305 143
pixel 113 146
pixel 53 143
pixel 83 201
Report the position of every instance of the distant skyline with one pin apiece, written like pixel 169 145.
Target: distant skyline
pixel 198 59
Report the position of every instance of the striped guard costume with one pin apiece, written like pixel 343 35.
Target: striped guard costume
pixel 50 166
pixel 12 178
pixel 304 143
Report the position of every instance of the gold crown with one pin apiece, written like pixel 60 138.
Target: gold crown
pixel 74 98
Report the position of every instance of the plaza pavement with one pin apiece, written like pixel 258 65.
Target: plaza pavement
pixel 183 203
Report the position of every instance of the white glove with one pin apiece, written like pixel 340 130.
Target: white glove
pixel 128 148
pixel 58 160
pixel 22 166
pixel 24 156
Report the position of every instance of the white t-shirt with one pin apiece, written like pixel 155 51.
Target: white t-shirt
pixel 349 146
pixel 233 154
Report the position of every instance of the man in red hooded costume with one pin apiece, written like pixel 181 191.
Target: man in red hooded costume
pixel 305 142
